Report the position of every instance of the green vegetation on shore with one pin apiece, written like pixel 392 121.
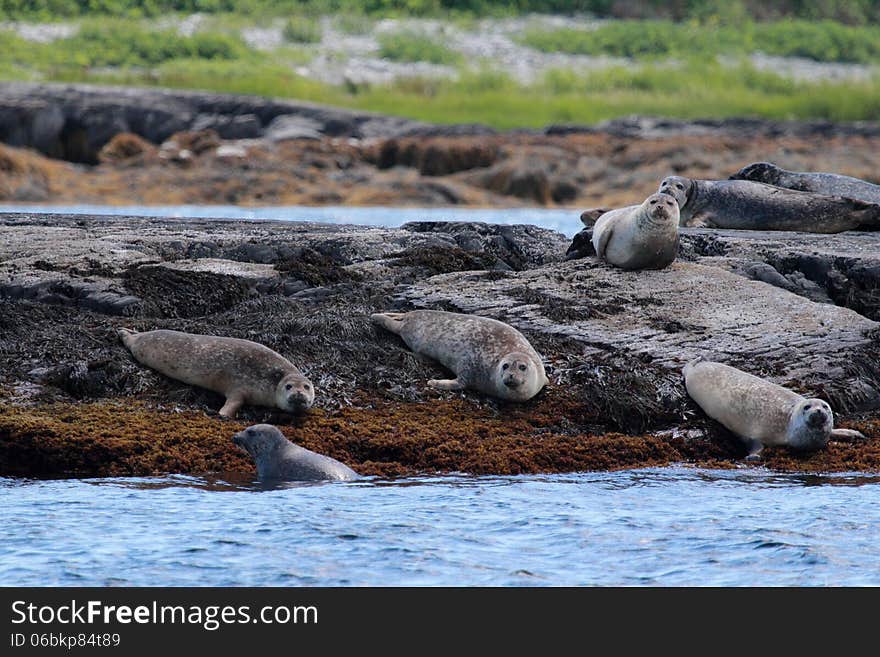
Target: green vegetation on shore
pixel 848 11
pixel 693 90
pixel 822 40
pixel 679 73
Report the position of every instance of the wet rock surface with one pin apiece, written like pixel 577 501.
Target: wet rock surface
pixel 73 401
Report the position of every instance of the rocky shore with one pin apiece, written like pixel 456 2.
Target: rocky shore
pixel 84 144
pixel 799 309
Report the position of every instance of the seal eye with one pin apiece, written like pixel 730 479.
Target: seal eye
pixel 505 366
pixel 307 387
pixel 289 386
pixel 522 368
pixel 679 185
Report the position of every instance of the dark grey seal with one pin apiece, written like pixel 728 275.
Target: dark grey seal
pixel 831 184
pixel 278 459
pixel 748 205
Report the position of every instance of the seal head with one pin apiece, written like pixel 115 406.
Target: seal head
pixel 261 441
pixel 517 376
pixel 811 425
pixel 278 459
pixel 295 393
pixel 765 172
pixel 660 208
pixel 678 188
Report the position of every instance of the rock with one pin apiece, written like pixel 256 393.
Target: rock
pixel 523 178
pixel 435 157
pixel 127 148
pixel 613 341
pixel 293 127
pixel 243 126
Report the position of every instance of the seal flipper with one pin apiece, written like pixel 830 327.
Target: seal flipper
pixel 755 447
pixel 446 384
pixel 231 407
pixel 581 245
pixel 847 435
pixel 591 216
pixel 126 335
pixel 604 238
pixel 389 321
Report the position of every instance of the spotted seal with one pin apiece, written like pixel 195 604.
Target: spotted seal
pixel 760 412
pixel 748 205
pixel 243 371
pixel 831 184
pixel 278 459
pixel 485 354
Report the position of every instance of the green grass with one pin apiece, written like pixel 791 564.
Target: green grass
pixel 820 40
pixel 120 51
pixel 413 46
pixel 302 29
pixel 700 90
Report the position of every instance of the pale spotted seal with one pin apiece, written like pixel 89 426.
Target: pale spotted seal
pixel 278 459
pixel 760 412
pixel 831 184
pixel 244 371
pixel 748 205
pixel 485 354
pixel 640 236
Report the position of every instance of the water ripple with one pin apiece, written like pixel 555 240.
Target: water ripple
pixel 671 526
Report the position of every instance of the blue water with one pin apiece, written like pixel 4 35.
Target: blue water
pixel 672 526
pixel 564 221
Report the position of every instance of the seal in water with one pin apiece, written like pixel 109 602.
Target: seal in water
pixel 831 184
pixel 640 236
pixel 243 371
pixel 485 354
pixel 748 205
pixel 760 412
pixel 278 459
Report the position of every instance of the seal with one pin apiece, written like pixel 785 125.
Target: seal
pixel 278 459
pixel 760 412
pixel 831 184
pixel 485 354
pixel 243 371
pixel 748 205
pixel 639 236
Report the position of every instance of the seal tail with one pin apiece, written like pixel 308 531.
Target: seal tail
pixel 690 366
pixel 389 321
pixel 126 335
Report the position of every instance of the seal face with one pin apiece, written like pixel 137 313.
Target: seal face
pixel 243 371
pixel 760 412
pixel 485 354
pixel 831 184
pixel 640 236
pixel 278 459
pixel 749 205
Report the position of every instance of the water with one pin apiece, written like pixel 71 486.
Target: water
pixel 564 221
pixel 671 526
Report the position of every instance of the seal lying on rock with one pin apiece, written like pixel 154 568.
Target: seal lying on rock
pixel 831 184
pixel 760 412
pixel 485 354
pixel 641 236
pixel 748 205
pixel 278 459
pixel 245 372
